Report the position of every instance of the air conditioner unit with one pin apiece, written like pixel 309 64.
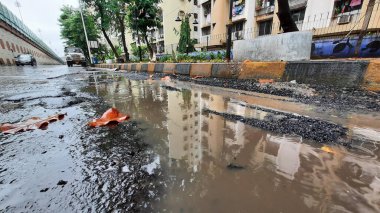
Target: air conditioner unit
pixel 344 19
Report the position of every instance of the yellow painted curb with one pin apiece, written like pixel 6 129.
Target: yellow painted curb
pixel 151 67
pixel 372 76
pixel 262 70
pixel 138 68
pixel 200 70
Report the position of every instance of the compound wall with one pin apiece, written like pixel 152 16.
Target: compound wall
pixel 13 44
pixel 295 46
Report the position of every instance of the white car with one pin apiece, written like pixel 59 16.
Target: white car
pixel 25 59
pixel 75 55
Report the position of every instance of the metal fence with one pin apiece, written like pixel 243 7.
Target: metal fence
pixel 9 18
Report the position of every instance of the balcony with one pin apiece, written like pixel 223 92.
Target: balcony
pixel 207 21
pixel 297 4
pixel 264 11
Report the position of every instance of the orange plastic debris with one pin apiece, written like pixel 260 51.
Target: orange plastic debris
pixel 30 124
pixel 266 81
pixel 198 76
pixel 166 78
pixel 327 149
pixel 111 116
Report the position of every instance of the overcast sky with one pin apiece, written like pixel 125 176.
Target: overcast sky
pixel 42 15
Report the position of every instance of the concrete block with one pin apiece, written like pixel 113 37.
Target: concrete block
pixel 262 70
pixel 334 73
pixel 224 70
pixel 159 68
pixel 151 67
pixel 133 67
pixel 371 79
pixel 144 68
pixel 182 69
pixel 169 68
pixel 201 69
pixel 123 67
pixel 295 46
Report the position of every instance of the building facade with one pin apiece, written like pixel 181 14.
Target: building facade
pixel 253 18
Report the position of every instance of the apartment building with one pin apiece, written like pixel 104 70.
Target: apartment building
pixel 164 39
pixel 214 17
pixel 253 18
pixel 323 17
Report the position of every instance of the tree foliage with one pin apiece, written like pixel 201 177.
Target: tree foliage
pixel 186 44
pixel 136 51
pixel 142 16
pixel 72 28
pixel 109 18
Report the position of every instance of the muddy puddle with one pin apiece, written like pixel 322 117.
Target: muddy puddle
pixel 212 160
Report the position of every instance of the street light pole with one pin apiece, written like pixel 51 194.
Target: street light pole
pixel 138 40
pixel 85 31
pixel 19 10
pixel 229 34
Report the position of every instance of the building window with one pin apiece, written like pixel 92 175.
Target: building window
pixel 206 31
pixel 195 2
pixel 344 6
pixel 206 8
pixel 265 3
pixel 195 29
pixel 265 27
pixel 298 16
pixel 237 31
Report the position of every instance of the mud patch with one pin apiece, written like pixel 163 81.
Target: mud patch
pixel 317 130
pixel 115 159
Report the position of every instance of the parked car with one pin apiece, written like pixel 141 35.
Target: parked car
pixel 25 59
pixel 74 55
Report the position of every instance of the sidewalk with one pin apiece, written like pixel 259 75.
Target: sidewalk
pixel 360 73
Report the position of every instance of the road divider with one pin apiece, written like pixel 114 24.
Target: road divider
pixel 363 74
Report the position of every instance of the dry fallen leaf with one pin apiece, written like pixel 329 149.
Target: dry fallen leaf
pixel 30 124
pixel 266 81
pixel 111 116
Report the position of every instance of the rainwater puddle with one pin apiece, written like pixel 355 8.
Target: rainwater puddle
pixel 212 164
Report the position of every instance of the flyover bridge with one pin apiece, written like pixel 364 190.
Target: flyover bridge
pixel 16 38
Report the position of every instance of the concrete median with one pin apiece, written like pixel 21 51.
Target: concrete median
pixel 337 73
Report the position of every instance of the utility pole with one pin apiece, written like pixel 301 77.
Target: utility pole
pixel 229 33
pixel 85 31
pixel 363 32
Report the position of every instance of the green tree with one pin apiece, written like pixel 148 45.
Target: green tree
pixel 136 51
pixel 104 15
pixel 72 28
pixel 186 44
pixel 142 15
pixel 118 10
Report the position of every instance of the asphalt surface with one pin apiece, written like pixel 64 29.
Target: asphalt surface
pixel 70 167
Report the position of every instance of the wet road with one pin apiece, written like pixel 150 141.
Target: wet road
pixel 187 148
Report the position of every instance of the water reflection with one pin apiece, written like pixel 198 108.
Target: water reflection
pixel 281 173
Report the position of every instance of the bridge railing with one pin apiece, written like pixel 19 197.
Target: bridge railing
pixel 9 18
